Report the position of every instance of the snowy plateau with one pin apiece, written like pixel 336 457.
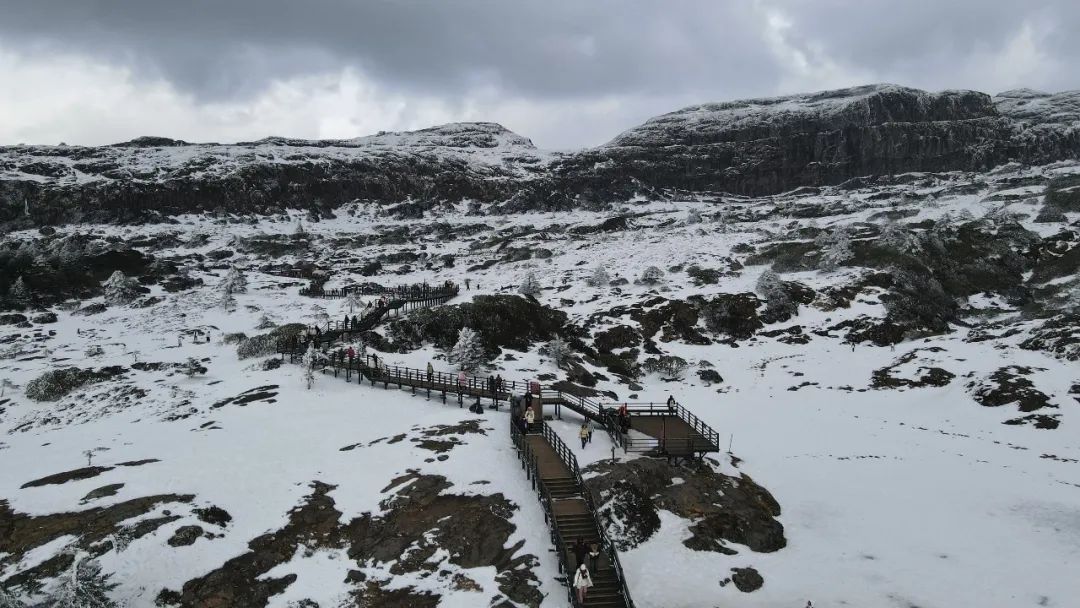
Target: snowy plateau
pixel 888 347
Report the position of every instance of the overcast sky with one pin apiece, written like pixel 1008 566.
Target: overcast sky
pixel 565 73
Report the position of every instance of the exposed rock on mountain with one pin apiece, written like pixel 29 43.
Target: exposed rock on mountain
pixel 152 175
pixel 764 146
pixel 750 147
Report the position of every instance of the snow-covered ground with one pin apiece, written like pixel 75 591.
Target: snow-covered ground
pixel 891 497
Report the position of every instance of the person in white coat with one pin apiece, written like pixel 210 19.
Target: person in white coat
pixel 530 417
pixel 582 582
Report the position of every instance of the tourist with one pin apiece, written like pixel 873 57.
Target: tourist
pixel 671 403
pixel 351 353
pixel 583 434
pixel 582 582
pixel 461 380
pixel 430 371
pixel 594 556
pixel 466 284
pixel 530 417
pixel 581 550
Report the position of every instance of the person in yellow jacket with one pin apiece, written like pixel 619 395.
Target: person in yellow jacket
pixel 584 435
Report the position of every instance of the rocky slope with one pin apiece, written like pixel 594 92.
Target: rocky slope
pixel 750 147
pixel 152 175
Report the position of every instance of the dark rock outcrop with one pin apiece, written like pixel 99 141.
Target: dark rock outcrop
pixel 723 509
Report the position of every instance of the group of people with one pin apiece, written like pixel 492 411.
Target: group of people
pixel 583 573
pixel 525 419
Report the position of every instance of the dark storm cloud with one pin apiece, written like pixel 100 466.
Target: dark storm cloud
pixel 929 41
pixel 566 72
pixel 577 48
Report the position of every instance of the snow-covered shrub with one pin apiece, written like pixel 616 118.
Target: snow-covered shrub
pixel 918 301
pixel 598 278
pixel 693 217
pixel 530 286
pixel 94 351
pixel 19 294
pixel 119 289
pixel 266 344
pixel 192 367
pixel 8 599
pixel 896 238
pixel 468 352
pixel 1072 298
pixel 558 350
pixel 83 586
pixel 265 322
pixel 652 275
pixel 778 302
pixel 233 338
pixel 836 248
pixel 670 367
pixel 56 383
pixel 703 276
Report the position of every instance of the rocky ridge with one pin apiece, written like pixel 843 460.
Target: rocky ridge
pixel 749 147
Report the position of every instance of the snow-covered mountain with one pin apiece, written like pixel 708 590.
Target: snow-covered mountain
pixel 751 147
pixel 890 362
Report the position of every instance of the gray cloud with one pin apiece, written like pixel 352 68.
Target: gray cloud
pixel 524 59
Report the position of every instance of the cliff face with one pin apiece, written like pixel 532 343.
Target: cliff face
pixel 751 147
pixel 765 146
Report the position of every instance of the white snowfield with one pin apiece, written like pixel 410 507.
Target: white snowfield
pixel 891 497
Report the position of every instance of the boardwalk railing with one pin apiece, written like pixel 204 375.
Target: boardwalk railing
pixel 700 437
pixel 566 455
pixel 400 292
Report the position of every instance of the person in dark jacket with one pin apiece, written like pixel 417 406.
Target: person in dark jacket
pixel 580 552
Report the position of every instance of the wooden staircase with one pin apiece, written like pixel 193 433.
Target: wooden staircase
pixel 570 515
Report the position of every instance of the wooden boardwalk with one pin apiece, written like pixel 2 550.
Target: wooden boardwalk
pixel 571 515
pixel 667 430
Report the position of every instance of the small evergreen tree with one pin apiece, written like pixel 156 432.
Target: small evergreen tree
pixel 228 300
pixel 530 287
pixel 234 282
pixel 598 278
pixel 19 293
pixel 468 352
pixel 311 357
pixel 119 289
pixel 353 301
pixel 84 586
pixel 558 350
